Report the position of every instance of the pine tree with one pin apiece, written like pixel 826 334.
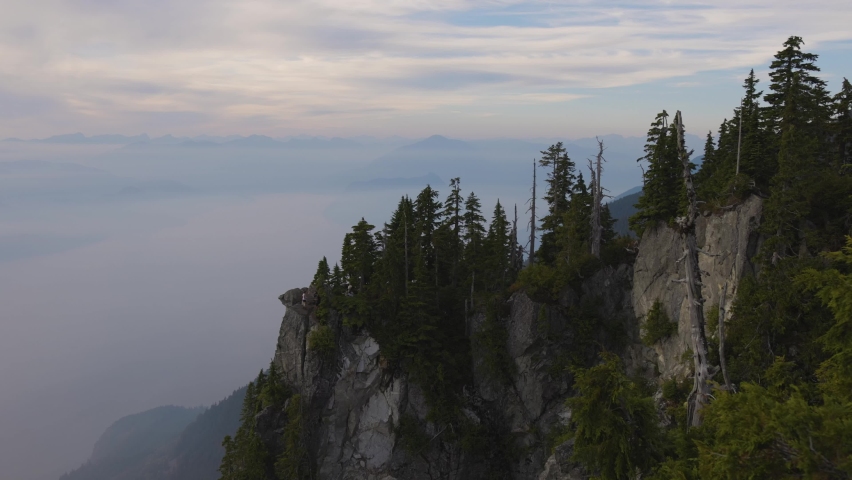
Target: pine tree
pixel 756 162
pixel 452 225
pixel 663 195
pixel 576 232
pixel 799 115
pixel 322 275
pixel 474 236
pixel 615 426
pixel 499 249
pixel 560 181
pixel 359 250
pixel 427 210
pixel 843 128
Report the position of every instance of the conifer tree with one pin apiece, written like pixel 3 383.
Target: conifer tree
pixel 560 181
pixel 499 248
pixel 321 277
pixel 799 113
pixel 663 195
pixel 474 236
pixel 843 127
pixel 427 211
pixel 359 250
pixel 756 162
pixel 576 232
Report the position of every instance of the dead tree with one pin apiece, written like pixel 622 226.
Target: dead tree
pixel 597 199
pixel 532 219
pixel 700 395
pixel 516 255
pixel 721 334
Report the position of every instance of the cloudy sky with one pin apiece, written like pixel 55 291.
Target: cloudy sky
pixel 463 68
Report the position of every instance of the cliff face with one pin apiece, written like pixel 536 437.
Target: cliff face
pixel 728 243
pixel 354 404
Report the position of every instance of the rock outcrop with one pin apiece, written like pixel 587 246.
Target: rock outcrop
pixel 355 404
pixel 727 241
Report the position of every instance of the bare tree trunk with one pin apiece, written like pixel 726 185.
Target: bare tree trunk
pixel 721 334
pixel 405 219
pixel 532 220
pixel 515 240
pixel 597 198
pixel 472 283
pixel 740 138
pixel 701 390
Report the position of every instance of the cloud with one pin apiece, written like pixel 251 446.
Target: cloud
pixel 291 62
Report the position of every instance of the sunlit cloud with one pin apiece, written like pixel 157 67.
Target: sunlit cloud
pixel 316 66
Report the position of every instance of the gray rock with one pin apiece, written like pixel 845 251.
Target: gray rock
pixel 292 297
pixel 560 467
pixel 729 240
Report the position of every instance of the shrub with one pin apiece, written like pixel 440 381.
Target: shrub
pixel 321 340
pixel 540 282
pixel 615 425
pixel 657 325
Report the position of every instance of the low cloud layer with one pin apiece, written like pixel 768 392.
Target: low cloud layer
pixel 333 67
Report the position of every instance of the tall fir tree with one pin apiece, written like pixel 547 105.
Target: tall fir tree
pixel 560 182
pixel 799 114
pixel 843 128
pixel 498 249
pixel 663 194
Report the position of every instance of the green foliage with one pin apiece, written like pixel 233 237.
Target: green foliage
pixel 834 288
pixel 614 425
pixel 797 422
pixel 772 317
pixel 657 325
pixel 412 435
pixel 663 194
pixel 492 337
pixel 540 282
pixel 712 320
pixel 322 340
pixel 246 456
pixel 273 391
pixel 292 463
pixel 675 391
pixel 754 434
pixel 560 184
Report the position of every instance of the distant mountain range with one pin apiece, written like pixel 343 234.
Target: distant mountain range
pixel 614 143
pixel 143 140
pixel 165 443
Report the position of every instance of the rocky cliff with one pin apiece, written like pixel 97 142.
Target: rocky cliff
pixel 356 406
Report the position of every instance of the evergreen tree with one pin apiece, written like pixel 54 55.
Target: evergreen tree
pixel 576 230
pixel 756 162
pixel 843 128
pixel 359 251
pixel 474 237
pixel 499 249
pixel 708 167
pixel 799 114
pixel 453 223
pixel 322 275
pixel 560 182
pixel 427 210
pixel 615 425
pixel 663 195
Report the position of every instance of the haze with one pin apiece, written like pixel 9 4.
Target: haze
pixel 142 270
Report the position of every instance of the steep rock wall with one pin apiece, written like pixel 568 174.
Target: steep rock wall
pixel 728 241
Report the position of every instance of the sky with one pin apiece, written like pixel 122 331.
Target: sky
pixel 461 68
